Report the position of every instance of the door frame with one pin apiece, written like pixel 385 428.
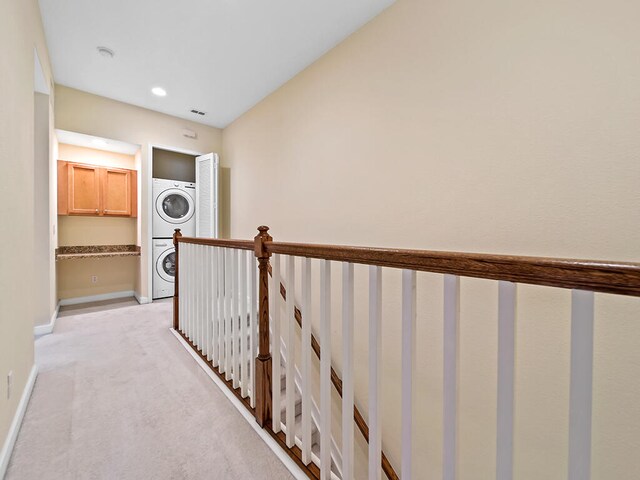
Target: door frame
pixel 148 179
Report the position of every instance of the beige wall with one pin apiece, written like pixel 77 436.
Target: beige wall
pixel 114 275
pixel 82 112
pixel 96 231
pixel 74 153
pixel 41 211
pixel 506 127
pixel 20 31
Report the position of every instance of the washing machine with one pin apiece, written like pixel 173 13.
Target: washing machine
pixel 164 268
pixel 174 207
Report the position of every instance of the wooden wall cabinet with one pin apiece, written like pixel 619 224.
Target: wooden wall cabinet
pixel 97 191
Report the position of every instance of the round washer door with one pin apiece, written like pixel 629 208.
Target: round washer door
pixel 166 265
pixel 175 206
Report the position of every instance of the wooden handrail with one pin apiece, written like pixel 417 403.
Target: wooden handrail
pixel 622 278
pixel 219 242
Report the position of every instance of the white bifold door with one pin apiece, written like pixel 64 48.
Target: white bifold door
pixel 207 195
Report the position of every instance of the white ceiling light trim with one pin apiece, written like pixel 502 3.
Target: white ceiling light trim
pixel 159 92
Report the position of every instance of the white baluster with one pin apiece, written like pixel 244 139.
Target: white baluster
pixel 244 327
pixel 290 389
pixel 208 269
pixel 192 289
pixel 325 370
pixel 204 297
pixel 220 308
pixel 580 394
pixel 227 314
pixel 206 319
pixel 213 279
pixel 347 371
pixel 189 292
pixel 450 373
pixel 182 288
pixel 185 287
pixel 254 326
pixel 274 307
pixel 199 295
pixel 196 294
pixel 408 366
pixel 306 360
pixel 201 320
pixel 506 366
pixel 375 352
pixel 235 331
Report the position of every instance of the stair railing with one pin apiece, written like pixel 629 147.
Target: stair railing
pixel 213 304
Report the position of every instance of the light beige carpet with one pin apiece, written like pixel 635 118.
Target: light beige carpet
pixel 117 397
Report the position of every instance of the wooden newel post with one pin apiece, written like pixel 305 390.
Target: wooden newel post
pixel 176 290
pixel 263 362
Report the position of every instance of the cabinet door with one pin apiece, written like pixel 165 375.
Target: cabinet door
pixel 84 189
pixel 116 192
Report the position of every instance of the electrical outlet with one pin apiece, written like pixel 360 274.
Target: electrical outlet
pixel 9 384
pixel 94 279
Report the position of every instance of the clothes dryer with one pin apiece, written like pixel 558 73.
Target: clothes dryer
pixel 174 207
pixel 164 268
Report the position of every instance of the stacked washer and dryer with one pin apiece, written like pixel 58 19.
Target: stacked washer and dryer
pixel 174 206
pixel 190 206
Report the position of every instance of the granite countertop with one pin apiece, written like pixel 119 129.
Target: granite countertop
pixel 97 251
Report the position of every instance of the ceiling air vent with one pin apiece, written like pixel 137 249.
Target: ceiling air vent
pixel 197 112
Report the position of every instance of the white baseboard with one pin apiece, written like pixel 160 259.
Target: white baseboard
pixel 292 466
pixel 141 300
pixel 97 298
pixel 47 327
pixel 10 441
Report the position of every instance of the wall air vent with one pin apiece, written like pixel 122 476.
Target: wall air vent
pixel 197 112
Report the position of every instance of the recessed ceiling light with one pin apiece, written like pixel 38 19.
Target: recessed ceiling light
pixel 99 142
pixel 159 91
pixel 105 52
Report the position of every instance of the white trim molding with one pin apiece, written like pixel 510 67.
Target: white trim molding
pixel 141 300
pixel 295 470
pixel 47 327
pixel 97 298
pixel 12 435
pixel 146 234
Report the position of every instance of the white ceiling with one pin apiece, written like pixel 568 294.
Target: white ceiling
pixel 216 56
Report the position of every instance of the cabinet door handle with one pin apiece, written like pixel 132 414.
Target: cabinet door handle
pixel 96 210
pixel 105 210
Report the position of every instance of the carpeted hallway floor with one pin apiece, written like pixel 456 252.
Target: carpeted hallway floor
pixel 117 397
